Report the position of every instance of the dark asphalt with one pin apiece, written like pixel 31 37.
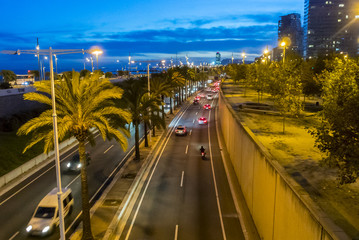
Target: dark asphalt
pixel 190 211
pixel 18 205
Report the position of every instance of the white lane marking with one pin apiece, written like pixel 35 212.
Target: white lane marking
pixel 108 149
pixel 182 178
pixel 190 132
pixel 193 120
pixel 73 180
pixel 214 181
pixel 150 177
pixel 196 113
pixel 38 176
pixel 235 199
pixel 13 236
pixel 176 232
pixel 187 149
pixel 123 159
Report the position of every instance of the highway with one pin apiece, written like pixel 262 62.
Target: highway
pixel 186 197
pixel 18 204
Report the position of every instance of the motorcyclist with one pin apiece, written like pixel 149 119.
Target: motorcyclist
pixel 202 149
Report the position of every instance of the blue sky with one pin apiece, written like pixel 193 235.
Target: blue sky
pixel 149 29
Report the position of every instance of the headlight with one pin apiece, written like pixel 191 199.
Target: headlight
pixel 28 229
pixel 46 229
pixel 68 165
pixel 79 165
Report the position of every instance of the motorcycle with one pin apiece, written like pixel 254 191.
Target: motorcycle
pixel 203 155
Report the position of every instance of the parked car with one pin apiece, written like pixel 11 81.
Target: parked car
pixel 74 164
pixel 202 121
pixel 46 216
pixel 181 130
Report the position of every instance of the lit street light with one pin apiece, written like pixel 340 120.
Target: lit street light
pixel 96 52
pixel 50 52
pixel 243 57
pixel 283 44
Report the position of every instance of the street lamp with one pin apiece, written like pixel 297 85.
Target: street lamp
pixel 55 62
pixel 243 57
pixel 283 44
pixel 50 52
pixel 89 60
pixel 96 52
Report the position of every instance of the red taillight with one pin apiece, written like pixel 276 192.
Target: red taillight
pixel 205 121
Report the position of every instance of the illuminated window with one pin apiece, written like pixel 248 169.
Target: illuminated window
pixel 311 46
pixel 341 5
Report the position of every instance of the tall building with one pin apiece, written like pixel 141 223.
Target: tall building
pixel 290 26
pixel 331 26
pixel 218 58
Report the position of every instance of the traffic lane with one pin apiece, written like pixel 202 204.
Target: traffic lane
pixel 199 214
pixel 161 209
pixel 231 220
pixel 36 191
pixel 29 197
pixel 157 214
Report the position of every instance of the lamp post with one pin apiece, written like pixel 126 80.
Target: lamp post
pixel 96 52
pixel 265 53
pixel 283 44
pixel 50 52
pixel 243 57
pixel 55 62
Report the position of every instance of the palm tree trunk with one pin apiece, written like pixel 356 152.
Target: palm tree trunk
pixel 146 140
pixel 137 140
pixel 87 233
pixel 171 111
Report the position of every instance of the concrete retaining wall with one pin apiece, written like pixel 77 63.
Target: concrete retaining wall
pixel 281 209
pixel 5 179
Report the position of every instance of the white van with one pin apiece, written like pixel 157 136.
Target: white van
pixel 46 216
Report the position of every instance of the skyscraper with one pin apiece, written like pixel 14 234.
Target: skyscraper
pixel 218 58
pixel 331 26
pixel 290 26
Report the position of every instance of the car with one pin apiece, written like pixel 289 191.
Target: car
pixel 197 98
pixel 46 215
pixel 209 97
pixel 202 120
pixel 207 106
pixel 181 130
pixel 74 164
pixel 195 102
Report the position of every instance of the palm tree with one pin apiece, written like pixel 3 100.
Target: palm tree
pixel 82 104
pixel 175 80
pixel 134 90
pixel 149 105
pixel 161 88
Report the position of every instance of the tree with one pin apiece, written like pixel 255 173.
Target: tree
pixel 85 72
pixel 338 133
pixel 134 89
pixel 108 75
pixel 36 73
pixel 311 86
pixel 161 89
pixel 176 81
pixel 9 76
pixel 81 104
pixel 285 89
